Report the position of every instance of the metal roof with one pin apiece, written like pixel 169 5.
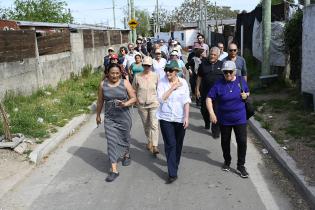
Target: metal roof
pixel 210 23
pixel 66 25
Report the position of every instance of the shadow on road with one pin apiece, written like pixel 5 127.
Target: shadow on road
pixel 143 157
pixel 93 157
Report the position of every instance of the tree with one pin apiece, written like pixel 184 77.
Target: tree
pixel 143 18
pixel 275 2
pixel 40 10
pixel 188 11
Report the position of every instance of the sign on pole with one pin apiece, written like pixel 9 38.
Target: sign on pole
pixel 133 24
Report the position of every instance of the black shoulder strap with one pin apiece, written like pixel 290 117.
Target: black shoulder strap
pixel 240 82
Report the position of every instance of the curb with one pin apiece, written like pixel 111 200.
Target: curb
pixel 50 144
pixel 63 133
pixel 286 161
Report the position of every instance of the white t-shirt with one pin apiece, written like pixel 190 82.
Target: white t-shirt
pixel 158 67
pixel 172 109
pixel 223 55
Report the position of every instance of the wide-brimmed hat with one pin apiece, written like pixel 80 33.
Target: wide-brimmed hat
pixel 147 60
pixel 172 65
pixel 228 66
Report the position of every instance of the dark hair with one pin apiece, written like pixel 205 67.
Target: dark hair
pixel 199 51
pixel 138 55
pixel 123 48
pixel 112 65
pixel 200 35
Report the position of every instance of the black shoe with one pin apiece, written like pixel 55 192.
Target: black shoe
pixel 112 176
pixel 225 167
pixel 126 161
pixel 207 126
pixel 215 135
pixel 242 171
pixel 171 179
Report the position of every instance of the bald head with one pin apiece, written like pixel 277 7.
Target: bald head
pixel 233 50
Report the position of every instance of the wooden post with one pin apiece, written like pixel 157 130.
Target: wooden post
pixel 6 127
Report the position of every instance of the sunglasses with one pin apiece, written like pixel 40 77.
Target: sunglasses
pixel 146 65
pixel 228 72
pixel 158 53
pixel 169 70
pixel 232 50
pixel 110 50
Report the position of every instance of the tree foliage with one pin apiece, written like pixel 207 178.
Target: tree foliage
pixel 189 11
pixel 40 10
pixel 143 18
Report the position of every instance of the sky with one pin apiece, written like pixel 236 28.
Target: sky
pixel 101 12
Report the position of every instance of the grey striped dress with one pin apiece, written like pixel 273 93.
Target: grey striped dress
pixel 117 121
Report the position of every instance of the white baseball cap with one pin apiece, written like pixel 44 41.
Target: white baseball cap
pixel 228 66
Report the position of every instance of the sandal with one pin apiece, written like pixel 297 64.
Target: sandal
pixel 126 161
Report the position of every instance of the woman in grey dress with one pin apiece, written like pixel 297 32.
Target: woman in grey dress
pixel 118 95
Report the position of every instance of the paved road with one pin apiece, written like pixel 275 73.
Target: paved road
pixel 73 177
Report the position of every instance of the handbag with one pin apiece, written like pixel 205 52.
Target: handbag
pixel 250 109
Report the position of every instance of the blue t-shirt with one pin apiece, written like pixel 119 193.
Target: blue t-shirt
pixel 230 106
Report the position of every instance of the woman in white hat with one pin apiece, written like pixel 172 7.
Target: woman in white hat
pixel 231 114
pixel 145 84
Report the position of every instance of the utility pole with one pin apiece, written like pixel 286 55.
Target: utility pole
pixel 266 37
pixel 157 17
pixel 114 14
pixel 215 16
pixel 205 26
pixel 200 17
pixel 133 15
pixel 129 18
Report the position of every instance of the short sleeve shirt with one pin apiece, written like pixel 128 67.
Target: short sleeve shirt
pixel 230 106
pixel 240 65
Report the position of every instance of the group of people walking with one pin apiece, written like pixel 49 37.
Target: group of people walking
pixel 155 82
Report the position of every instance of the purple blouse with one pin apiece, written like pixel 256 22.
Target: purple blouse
pixel 230 106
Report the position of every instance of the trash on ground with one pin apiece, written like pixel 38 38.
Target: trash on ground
pixel 264 151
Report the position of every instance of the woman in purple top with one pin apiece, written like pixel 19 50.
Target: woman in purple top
pixel 231 114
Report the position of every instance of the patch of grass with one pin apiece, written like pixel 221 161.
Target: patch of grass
pixel 55 106
pixel 301 124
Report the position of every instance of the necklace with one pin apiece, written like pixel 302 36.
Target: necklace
pixel 230 88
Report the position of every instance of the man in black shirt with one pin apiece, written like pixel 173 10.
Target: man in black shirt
pixel 208 73
pixel 140 48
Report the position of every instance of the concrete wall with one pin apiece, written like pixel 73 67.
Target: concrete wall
pixel 28 75
pixel 308 52
pixel 18 76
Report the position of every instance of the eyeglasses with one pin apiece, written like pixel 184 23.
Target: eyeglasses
pixel 228 72
pixel 158 53
pixel 232 50
pixel 169 70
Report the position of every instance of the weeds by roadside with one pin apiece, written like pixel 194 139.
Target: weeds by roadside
pixel 38 115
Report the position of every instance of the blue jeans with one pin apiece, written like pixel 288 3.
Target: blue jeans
pixel 173 136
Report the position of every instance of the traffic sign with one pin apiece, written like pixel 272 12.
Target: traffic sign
pixel 133 24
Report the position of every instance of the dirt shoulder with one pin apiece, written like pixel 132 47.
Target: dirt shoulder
pixel 282 114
